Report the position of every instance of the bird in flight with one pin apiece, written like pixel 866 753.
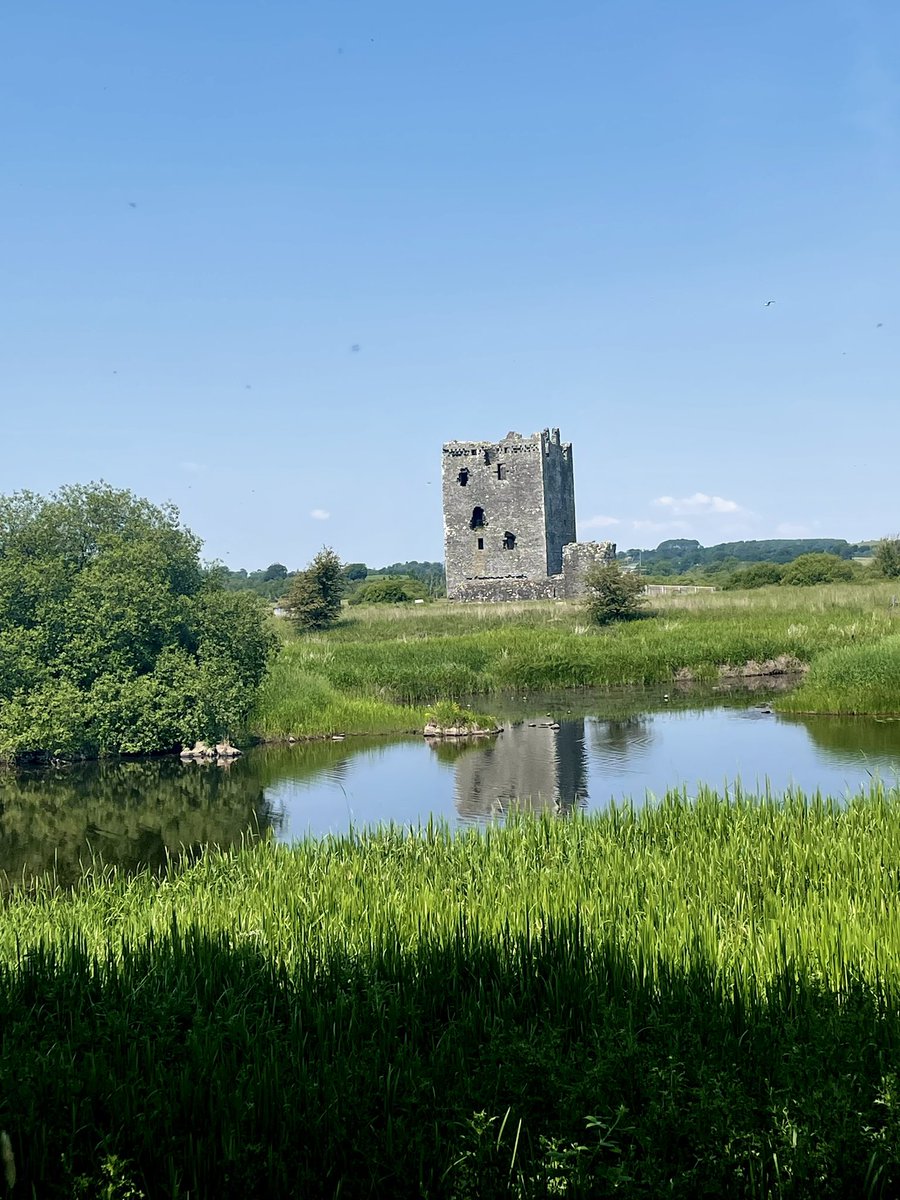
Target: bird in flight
pixel 131 204
pixel 355 347
pixel 767 303
pixel 879 325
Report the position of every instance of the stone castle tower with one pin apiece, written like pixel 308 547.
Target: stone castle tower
pixel 509 520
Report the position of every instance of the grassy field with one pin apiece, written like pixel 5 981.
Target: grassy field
pixel 377 670
pixel 701 998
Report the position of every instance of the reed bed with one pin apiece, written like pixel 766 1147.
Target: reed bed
pixel 360 676
pixel 853 680
pixel 695 997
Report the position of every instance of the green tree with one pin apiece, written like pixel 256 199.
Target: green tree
pixel 887 557
pixel 113 638
pixel 275 571
pixel 810 569
pixel 613 594
pixel 354 571
pixel 314 601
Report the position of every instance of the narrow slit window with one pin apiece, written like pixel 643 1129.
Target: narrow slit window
pixel 509 541
pixel 478 521
pixel 501 470
pixel 463 477
pixel 481 543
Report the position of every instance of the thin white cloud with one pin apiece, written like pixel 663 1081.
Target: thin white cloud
pixel 600 522
pixel 698 504
pixel 320 514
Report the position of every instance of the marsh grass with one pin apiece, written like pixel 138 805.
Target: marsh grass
pixel 853 680
pixel 697 997
pixel 360 676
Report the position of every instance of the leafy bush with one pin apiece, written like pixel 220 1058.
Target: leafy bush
pixel 887 557
pixel 758 575
pixel 389 590
pixel 613 594
pixel 113 639
pixel 314 601
pixel 809 569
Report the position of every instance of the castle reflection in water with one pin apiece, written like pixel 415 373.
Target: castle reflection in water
pixel 529 767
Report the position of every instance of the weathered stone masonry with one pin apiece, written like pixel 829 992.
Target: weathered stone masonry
pixel 509 520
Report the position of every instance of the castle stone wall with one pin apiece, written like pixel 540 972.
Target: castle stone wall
pixel 504 480
pixel 509 520
pixel 559 498
pixel 581 557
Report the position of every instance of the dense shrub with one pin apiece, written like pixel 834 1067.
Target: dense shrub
pixel 113 638
pixel 758 575
pixel 613 594
pixel 809 569
pixel 887 558
pixel 389 590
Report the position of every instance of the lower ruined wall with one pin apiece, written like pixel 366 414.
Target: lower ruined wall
pixel 581 557
pixel 496 590
pixel 578 558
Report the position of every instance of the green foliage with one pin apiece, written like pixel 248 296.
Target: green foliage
pixel 887 557
pixel 270 586
pixel 275 571
pixel 112 637
pixel 355 571
pixel 449 714
pixel 389 589
pixel 810 569
pixel 431 574
pixel 761 574
pixel 685 998
pixel 677 556
pixel 612 594
pixel 853 679
pixel 314 601
pixel 388 656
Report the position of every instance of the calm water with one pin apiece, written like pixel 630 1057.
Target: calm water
pixel 605 747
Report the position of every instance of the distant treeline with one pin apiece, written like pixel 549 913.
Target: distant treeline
pixel 275 581
pixel 678 556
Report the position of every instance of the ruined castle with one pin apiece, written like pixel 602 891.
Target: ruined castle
pixel 509 520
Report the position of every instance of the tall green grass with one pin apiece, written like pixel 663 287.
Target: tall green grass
pixel 377 660
pixel 294 701
pixel 691 998
pixel 853 679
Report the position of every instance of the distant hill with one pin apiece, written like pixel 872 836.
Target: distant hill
pixel 679 555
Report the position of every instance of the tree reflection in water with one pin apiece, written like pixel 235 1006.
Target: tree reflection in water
pixel 133 814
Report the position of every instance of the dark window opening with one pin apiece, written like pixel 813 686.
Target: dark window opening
pixel 478 521
pixel 463 477
pixel 487 457
pixel 509 541
pixel 501 470
pixel 481 543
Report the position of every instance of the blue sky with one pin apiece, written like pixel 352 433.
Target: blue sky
pixel 520 214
